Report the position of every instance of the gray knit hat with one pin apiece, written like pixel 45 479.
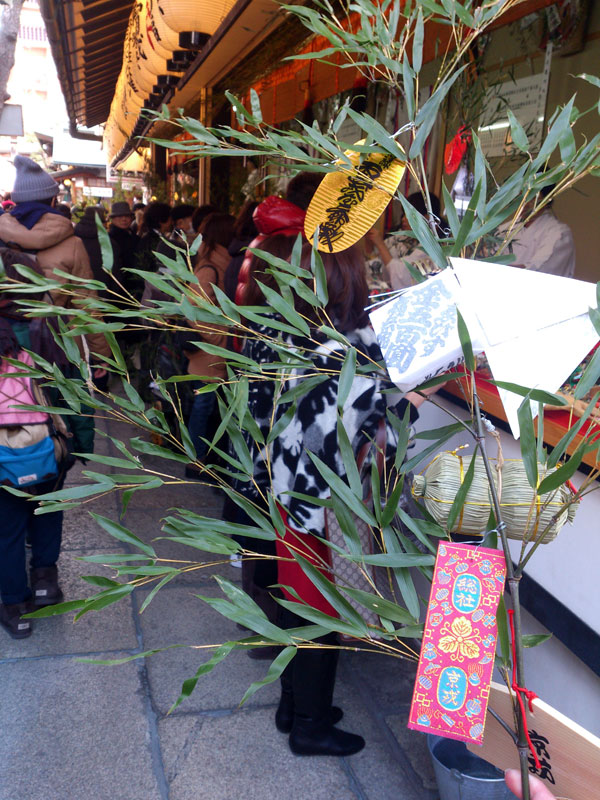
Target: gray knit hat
pixel 31 182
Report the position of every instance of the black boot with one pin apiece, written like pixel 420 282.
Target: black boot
pixel 44 586
pixel 314 737
pixel 284 716
pixel 12 621
pixel 313 732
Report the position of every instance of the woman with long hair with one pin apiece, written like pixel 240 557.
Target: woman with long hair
pixel 209 268
pixel 305 710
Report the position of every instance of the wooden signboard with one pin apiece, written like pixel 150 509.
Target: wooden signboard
pixel 569 755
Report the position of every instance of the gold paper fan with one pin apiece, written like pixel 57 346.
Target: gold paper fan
pixel 347 204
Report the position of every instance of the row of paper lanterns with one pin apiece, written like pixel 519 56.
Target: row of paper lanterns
pixel 154 57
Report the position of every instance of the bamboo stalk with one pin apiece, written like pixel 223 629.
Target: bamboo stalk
pixel 513 585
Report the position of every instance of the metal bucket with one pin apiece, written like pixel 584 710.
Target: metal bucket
pixel 460 775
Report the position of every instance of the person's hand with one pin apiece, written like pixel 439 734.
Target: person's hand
pixel 373 235
pixel 537 789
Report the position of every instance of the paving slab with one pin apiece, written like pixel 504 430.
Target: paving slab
pixel 380 768
pixel 70 730
pixel 82 532
pixel 175 616
pixel 414 746
pixel 241 755
pixel 111 628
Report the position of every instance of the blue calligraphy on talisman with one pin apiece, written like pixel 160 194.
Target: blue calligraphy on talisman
pixel 466 593
pixel 418 322
pixel 452 688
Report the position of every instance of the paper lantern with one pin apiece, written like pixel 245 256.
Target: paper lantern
pixel 190 15
pixel 349 202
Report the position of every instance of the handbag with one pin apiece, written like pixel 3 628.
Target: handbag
pixel 349 573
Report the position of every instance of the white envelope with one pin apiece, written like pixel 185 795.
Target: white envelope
pixel 533 327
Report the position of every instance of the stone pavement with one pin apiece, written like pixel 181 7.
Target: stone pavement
pixel 75 731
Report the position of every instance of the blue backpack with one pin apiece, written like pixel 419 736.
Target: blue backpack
pixel 30 448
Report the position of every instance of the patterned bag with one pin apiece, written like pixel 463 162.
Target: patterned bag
pixel 350 573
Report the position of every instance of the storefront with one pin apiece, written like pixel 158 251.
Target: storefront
pixel 530 54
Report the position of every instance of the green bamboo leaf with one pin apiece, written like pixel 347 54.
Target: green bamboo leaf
pixel 561 447
pixel 428 113
pixel 333 624
pixel 450 211
pixel 107 598
pixel 274 672
pixel 100 580
pixel 423 233
pixel 503 637
pixel 78 492
pixel 105 244
pixel 540 452
pixel 56 610
pixel 412 525
pixel 348 457
pixel 461 495
pixel 562 474
pixel 465 341
pixel 528 442
pixel 342 489
pixel 518 135
pixel 402 576
pixel 378 132
pixel 534 639
pixel 379 605
pixel 556 132
pixel 318 270
pixel 391 505
pixel 332 594
pixel 302 387
pixel 151 449
pixel 281 424
pixel 412 462
pixel 251 618
pixel 538 395
pixel 190 683
pixel 409 87
pixel 466 224
pixel 114 662
pixel 255 106
pixel 393 560
pixel 123 534
pixel 417 50
pixel 436 433
pixel 589 378
pixel 346 379
pixel 109 461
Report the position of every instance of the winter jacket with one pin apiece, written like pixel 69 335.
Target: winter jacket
pixel 87 231
pixel 125 245
pixel 210 271
pixel 55 246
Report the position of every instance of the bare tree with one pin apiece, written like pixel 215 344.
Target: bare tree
pixel 10 15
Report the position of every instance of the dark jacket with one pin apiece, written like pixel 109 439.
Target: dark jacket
pixel 125 246
pixel 87 231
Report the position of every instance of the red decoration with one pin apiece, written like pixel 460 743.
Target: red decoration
pixel 455 149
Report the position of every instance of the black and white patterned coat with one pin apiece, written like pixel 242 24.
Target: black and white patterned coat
pixel 284 463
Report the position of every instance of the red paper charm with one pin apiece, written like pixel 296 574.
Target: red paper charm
pixel 455 149
pixel 459 643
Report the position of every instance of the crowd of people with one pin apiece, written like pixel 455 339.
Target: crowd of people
pixel 224 261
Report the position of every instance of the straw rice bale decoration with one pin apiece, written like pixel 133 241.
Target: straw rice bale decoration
pixel 525 513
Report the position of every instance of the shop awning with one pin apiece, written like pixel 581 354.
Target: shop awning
pixel 86 37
